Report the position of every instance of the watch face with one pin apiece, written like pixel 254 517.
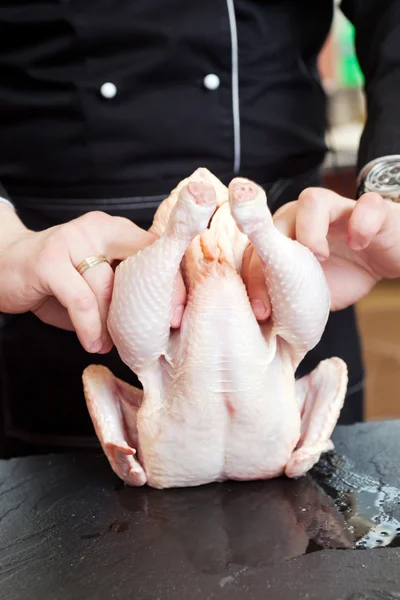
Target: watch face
pixel 384 178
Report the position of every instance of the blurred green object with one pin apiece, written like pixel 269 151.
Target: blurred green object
pixel 349 71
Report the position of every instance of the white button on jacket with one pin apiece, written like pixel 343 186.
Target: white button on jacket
pixel 211 81
pixel 108 90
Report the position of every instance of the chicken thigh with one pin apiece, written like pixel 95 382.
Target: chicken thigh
pixel 220 399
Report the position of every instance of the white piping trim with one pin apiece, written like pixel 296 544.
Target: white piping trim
pixel 235 86
pixel 7 203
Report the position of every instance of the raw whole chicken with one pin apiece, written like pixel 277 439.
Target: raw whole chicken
pixel 220 399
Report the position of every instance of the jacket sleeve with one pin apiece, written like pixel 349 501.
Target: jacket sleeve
pixel 5 198
pixel 377 27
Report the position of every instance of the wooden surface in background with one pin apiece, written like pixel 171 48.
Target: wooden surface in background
pixel 379 320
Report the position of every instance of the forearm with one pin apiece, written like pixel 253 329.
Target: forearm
pixel 11 226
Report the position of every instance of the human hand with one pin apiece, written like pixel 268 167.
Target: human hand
pixel 356 242
pixel 38 273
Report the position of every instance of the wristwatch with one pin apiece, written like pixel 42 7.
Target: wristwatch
pixel 381 175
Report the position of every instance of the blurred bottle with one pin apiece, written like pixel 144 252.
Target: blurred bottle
pixel 349 71
pixel 342 76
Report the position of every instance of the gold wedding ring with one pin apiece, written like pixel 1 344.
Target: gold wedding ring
pixel 91 261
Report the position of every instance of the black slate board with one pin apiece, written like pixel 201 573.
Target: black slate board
pixel 70 531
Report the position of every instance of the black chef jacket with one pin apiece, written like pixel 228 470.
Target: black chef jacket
pixel 108 104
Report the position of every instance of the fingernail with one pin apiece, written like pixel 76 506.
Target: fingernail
pixel 178 313
pixel 106 348
pixel 258 306
pixel 320 257
pixel 96 346
pixel 354 244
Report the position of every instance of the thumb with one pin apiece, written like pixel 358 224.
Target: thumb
pixel 254 280
pixel 123 238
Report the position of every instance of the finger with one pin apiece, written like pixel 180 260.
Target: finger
pixel 122 238
pixel 179 302
pixel 76 296
pixel 117 238
pixel 254 280
pixel 100 279
pixel 317 210
pixel 50 311
pixel 366 220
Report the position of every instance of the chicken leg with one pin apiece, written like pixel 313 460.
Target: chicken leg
pixel 295 281
pixel 139 317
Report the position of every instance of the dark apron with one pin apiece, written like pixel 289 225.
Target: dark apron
pixel 43 407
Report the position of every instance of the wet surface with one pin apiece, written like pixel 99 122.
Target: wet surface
pixel 70 530
pixel 366 503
